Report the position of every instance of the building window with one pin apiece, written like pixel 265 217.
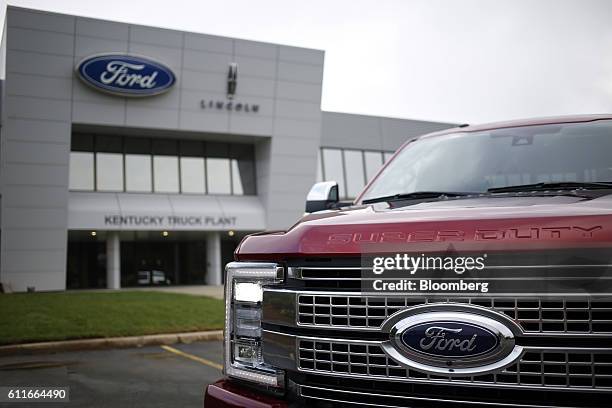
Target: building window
pixel 333 168
pixel 145 165
pixel 219 179
pixel 166 173
pixel 236 179
pixel 354 172
pixel 243 165
pixel 109 172
pixel 352 169
pixel 373 161
pixel 193 175
pixel 81 171
pixel 138 173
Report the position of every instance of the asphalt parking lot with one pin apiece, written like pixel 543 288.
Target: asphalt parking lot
pixel 153 376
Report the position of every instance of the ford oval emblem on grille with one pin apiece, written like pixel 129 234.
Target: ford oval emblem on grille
pixel 449 339
pixel 452 339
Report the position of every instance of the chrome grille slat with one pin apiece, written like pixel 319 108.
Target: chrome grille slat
pixel 534 314
pixel 587 369
pixel 355 398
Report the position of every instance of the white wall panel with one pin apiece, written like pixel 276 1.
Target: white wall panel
pixel 102 29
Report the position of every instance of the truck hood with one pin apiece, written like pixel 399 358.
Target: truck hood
pixel 483 223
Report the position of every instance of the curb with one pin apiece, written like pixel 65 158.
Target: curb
pixel 111 342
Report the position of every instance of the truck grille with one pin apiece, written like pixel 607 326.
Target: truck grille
pixel 566 315
pixel 333 335
pixel 546 368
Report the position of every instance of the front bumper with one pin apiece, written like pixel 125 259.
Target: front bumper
pixel 227 394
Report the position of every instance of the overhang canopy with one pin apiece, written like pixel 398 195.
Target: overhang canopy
pixel 127 211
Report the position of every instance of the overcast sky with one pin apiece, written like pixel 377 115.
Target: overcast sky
pixel 447 60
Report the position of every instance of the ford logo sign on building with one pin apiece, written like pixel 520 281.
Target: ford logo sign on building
pixel 452 339
pixel 125 75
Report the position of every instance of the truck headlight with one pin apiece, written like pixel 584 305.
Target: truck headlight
pixel 242 337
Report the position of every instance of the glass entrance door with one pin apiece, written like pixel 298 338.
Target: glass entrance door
pixel 153 258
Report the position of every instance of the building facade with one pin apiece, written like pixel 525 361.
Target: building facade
pixel 133 155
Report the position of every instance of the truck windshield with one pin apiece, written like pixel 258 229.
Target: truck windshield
pixel 479 161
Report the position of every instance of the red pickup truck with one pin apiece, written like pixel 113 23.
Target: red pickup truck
pixel 307 323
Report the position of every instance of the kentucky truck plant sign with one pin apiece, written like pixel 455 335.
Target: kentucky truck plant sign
pixel 125 75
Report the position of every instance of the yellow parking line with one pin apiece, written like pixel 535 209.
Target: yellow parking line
pixel 192 357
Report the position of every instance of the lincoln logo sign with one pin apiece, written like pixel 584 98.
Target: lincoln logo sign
pixel 449 339
pixel 125 75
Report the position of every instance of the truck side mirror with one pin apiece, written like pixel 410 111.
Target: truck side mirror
pixel 322 196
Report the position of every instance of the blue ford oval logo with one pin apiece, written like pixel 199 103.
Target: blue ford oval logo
pixel 126 75
pixel 449 339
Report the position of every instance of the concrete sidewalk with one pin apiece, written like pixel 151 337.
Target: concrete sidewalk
pixel 111 342
pixel 200 290
pixel 214 291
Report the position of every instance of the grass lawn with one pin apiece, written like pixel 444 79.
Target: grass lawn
pixel 32 317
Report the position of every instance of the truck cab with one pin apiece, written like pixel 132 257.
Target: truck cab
pixel 473 269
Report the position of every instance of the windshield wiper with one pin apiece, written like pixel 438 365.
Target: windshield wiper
pixel 416 196
pixel 562 185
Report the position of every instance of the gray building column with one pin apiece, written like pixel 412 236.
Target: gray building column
pixel 36 129
pixel 113 260
pixel 213 258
